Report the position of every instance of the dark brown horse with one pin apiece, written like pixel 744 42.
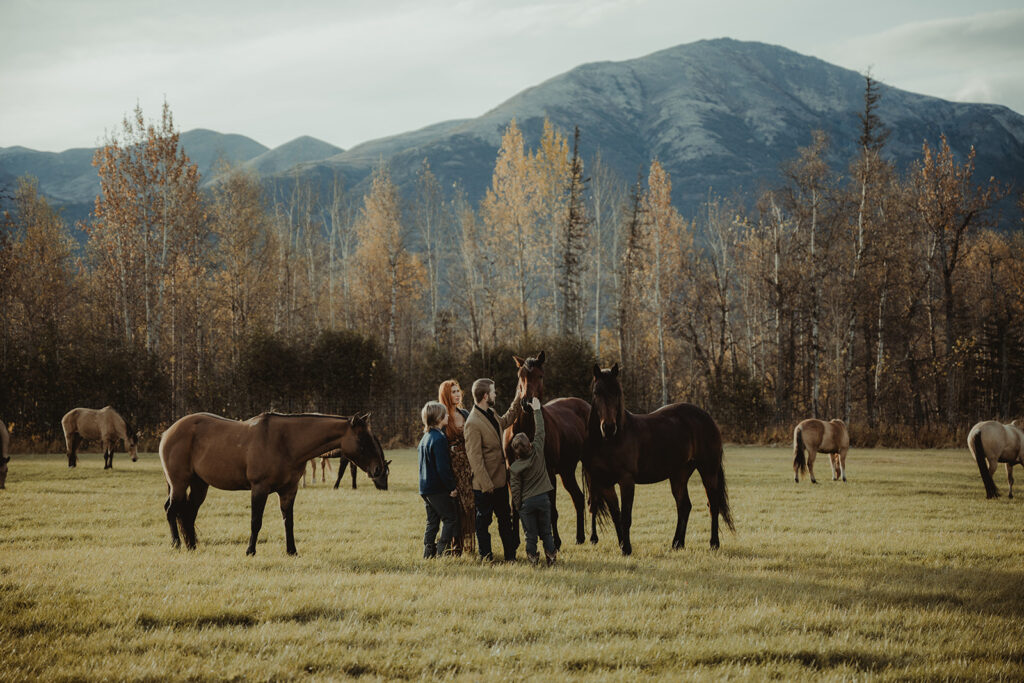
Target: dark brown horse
pixel 104 425
pixel 342 466
pixel 670 443
pixel 266 454
pixel 565 422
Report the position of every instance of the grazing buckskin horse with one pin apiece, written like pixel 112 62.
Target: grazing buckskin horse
pixel 670 443
pixel 5 445
pixel 105 425
pixel 565 426
pixel 991 443
pixel 265 454
pixel 817 436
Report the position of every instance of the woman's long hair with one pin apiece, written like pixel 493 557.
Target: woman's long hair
pixel 444 396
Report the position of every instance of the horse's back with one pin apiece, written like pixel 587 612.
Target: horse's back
pixel 678 425
pixel 569 416
pixel 212 447
pixel 1003 442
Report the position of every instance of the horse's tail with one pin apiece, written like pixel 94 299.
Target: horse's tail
pixel 598 505
pixel 799 456
pixel 974 442
pixel 723 498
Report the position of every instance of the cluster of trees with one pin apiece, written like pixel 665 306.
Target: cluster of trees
pixel 880 295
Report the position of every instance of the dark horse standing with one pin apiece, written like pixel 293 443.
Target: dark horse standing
pixel 565 422
pixel 670 443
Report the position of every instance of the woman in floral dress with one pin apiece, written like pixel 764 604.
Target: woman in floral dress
pixel 450 395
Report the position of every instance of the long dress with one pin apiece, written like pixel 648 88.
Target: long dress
pixel 466 538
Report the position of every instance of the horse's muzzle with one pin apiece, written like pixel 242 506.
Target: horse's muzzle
pixel 608 429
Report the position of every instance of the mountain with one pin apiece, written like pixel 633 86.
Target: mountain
pixel 719 114
pixel 299 150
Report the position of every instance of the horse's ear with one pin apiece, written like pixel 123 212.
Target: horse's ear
pixel 540 358
pixel 597 371
pixel 519 361
pixel 388 462
pixel 615 370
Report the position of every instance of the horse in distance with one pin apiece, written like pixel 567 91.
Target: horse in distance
pixel 104 425
pixel 670 443
pixel 265 454
pixel 565 421
pixel 991 443
pixel 5 453
pixel 811 437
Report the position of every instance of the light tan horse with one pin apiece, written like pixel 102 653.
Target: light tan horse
pixel 993 442
pixel 817 436
pixel 5 445
pixel 105 425
pixel 265 454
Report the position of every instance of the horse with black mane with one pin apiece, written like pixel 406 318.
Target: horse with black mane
pixel 265 454
pixel 565 421
pixel 105 425
pixel 991 443
pixel 670 443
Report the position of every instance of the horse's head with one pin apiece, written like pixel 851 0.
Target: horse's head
pixel 369 455
pixel 607 406
pixel 3 470
pixel 531 377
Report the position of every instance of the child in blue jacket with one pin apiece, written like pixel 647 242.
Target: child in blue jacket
pixel 437 480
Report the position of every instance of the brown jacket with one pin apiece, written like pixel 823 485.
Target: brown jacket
pixel 483 446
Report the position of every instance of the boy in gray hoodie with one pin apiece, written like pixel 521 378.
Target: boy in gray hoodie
pixel 530 485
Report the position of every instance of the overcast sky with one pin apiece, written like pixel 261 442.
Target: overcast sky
pixel 348 71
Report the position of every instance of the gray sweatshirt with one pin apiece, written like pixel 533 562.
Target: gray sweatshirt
pixel 529 476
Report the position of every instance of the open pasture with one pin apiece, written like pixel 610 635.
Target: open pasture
pixel 906 571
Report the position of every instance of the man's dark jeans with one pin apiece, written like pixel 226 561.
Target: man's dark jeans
pixel 535 514
pixel 440 508
pixel 495 503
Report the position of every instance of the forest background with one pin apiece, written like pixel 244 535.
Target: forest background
pixel 881 295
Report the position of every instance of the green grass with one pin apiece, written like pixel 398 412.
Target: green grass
pixel 907 571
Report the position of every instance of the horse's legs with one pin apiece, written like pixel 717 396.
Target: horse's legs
pixel 572 486
pixel 627 491
pixel 683 507
pixel 833 461
pixel 176 502
pixel 842 463
pixel 342 465
pixel 1009 477
pixel 259 502
pixel 287 507
pixel 554 514
pixel 353 466
pixel 196 495
pixel 73 440
pixel 811 454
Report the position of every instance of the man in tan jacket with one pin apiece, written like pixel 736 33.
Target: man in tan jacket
pixel 482 432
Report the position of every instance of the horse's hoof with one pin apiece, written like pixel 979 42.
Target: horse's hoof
pixel 593 540
pixel 814 481
pixel 580 540
pixel 627 550
pixel 844 480
pixel 291 551
pixel 678 545
pixel 176 545
pixel 1010 495
pixel 250 551
pixel 714 545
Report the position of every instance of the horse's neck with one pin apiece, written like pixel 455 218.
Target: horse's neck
pixel 312 436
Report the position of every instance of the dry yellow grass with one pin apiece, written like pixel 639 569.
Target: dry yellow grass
pixel 904 572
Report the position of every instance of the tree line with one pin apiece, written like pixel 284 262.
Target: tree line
pixel 881 295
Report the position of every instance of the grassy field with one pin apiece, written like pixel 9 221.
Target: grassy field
pixel 904 572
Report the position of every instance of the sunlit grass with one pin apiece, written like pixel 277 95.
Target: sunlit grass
pixel 907 571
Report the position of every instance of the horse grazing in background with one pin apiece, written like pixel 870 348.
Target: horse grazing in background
pixel 5 453
pixel 266 454
pixel 325 464
pixel 991 443
pixel 106 425
pixel 817 436
pixel 670 443
pixel 565 426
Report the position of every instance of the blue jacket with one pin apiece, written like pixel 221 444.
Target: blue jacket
pixel 436 474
